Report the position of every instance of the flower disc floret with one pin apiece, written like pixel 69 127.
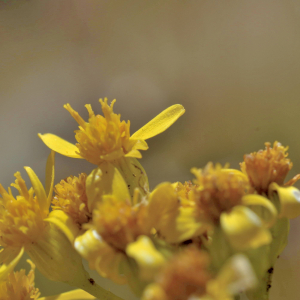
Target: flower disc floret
pixel 19 286
pixel 102 137
pixel 267 166
pixel 186 274
pixel 220 189
pixel 21 218
pixel 119 223
pixel 70 197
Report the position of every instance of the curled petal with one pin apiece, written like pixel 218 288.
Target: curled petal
pixel 173 222
pixel 59 145
pixel 105 180
pixel 38 189
pixel 100 255
pixel 149 259
pixel 160 123
pixel 64 223
pixel 235 276
pixel 72 295
pixel 263 207
pixel 244 228
pixel 289 198
pixel 9 258
pixel 50 170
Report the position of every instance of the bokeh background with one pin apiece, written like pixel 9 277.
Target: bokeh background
pixel 234 65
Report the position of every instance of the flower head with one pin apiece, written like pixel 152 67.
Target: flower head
pixel 107 138
pixel 19 286
pixel 21 218
pixel 119 223
pixel 70 197
pixel 267 166
pixel 219 190
pixel 186 274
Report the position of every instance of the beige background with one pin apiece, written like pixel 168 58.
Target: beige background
pixel 234 65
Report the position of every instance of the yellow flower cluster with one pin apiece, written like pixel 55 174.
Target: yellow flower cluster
pixel 210 239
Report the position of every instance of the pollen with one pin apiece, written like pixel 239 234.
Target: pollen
pixel 102 137
pixel 267 166
pixel 220 189
pixel 19 286
pixel 21 218
pixel 185 275
pixel 119 223
pixel 70 197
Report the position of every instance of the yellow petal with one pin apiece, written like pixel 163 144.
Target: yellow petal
pixel 105 180
pixel 289 198
pixel 38 189
pixel 59 145
pixel 100 256
pixel 9 258
pixel 244 228
pixel 160 123
pixel 263 207
pixel 235 276
pixel 134 175
pixel 50 170
pixel 64 223
pixel 149 259
pixel 174 223
pixel 72 295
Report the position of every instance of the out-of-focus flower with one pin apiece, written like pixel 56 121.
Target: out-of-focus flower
pixel 117 222
pixel 185 275
pixel 267 166
pixel 19 286
pixel 25 224
pixel 223 199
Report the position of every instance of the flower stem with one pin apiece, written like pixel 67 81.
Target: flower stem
pixel 100 293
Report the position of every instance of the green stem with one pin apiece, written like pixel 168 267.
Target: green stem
pixel 100 293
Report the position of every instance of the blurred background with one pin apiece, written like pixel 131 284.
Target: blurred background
pixel 234 65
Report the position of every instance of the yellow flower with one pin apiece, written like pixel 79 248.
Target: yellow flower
pixel 25 224
pixel 235 276
pixel 117 222
pixel 185 275
pixel 106 138
pixel 19 286
pixel 223 199
pixel 267 166
pixel 70 197
pixel 173 221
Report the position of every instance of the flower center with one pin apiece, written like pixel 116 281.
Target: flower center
pixel 186 274
pixel 21 218
pixel 102 137
pixel 70 197
pixel 219 190
pixel 267 166
pixel 119 223
pixel 19 286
